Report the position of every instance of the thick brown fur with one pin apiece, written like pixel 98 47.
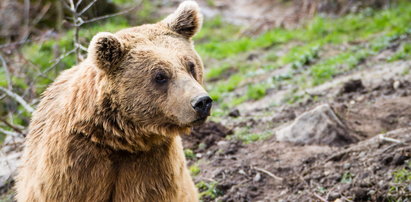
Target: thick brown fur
pixel 106 131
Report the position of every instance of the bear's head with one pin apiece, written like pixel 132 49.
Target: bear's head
pixel 155 77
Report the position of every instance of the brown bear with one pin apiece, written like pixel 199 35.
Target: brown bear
pixel 108 129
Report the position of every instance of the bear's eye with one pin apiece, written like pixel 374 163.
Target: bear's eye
pixel 192 66
pixel 161 78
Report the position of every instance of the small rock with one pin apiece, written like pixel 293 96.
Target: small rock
pixel 222 143
pixel 346 166
pixel 352 102
pixel 371 192
pixel 241 171
pixel 318 126
pixel 333 196
pixel 257 177
pixel 199 155
pixel 234 113
pixel 362 154
pixel 360 98
pixel 396 84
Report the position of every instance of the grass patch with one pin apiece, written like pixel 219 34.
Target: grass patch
pixel 321 30
pixel 189 154
pixel 256 91
pixel 401 180
pixel 194 170
pixel 208 190
pixel 217 71
pixel 227 86
pixel 404 52
pixel 245 136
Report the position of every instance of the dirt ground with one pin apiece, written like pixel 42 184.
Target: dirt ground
pixel 278 171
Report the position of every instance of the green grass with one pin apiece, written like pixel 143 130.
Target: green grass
pixel 189 154
pixel 256 91
pixel 404 52
pixel 401 180
pixel 248 137
pixel 225 86
pixel 194 170
pixel 321 30
pixel 217 71
pixel 300 55
pixel 208 190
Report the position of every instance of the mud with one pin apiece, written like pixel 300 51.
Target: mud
pixel 279 171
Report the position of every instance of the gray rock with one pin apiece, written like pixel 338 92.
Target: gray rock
pixel 318 126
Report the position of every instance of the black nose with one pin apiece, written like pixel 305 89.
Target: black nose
pixel 202 105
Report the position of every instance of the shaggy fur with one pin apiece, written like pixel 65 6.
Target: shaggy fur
pixel 108 129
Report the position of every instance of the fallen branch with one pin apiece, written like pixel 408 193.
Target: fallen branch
pixel 18 98
pixel 388 139
pixel 269 173
pixel 319 197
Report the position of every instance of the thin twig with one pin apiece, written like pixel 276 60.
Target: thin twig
pixel 15 128
pixel 78 3
pixel 388 139
pixel 112 15
pixel 269 173
pixel 319 197
pixel 57 61
pixel 10 133
pixel 18 98
pixel 86 8
pixel 7 72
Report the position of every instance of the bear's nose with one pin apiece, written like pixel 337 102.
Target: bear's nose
pixel 202 105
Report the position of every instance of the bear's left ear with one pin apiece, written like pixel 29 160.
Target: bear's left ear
pixel 186 20
pixel 106 51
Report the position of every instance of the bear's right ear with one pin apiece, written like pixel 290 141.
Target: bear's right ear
pixel 106 51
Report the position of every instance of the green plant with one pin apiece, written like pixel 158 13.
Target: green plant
pixel 216 71
pixel 347 177
pixel 256 91
pixel 401 180
pixel 208 190
pixel 247 137
pixel 403 52
pixel 189 154
pixel 194 170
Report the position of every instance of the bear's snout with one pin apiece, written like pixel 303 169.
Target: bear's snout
pixel 202 105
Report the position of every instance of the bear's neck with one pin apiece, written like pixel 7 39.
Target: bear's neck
pixel 95 115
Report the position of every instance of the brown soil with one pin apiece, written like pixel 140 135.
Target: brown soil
pixel 278 171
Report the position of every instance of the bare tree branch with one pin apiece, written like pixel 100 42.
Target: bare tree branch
pixel 78 3
pixel 7 72
pixel 58 60
pixel 18 98
pixel 10 133
pixel 86 8
pixel 112 15
pixel 14 127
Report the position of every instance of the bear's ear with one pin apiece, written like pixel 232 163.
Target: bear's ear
pixel 106 51
pixel 186 20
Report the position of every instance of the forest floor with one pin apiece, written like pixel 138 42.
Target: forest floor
pixel 359 65
pixel 361 71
